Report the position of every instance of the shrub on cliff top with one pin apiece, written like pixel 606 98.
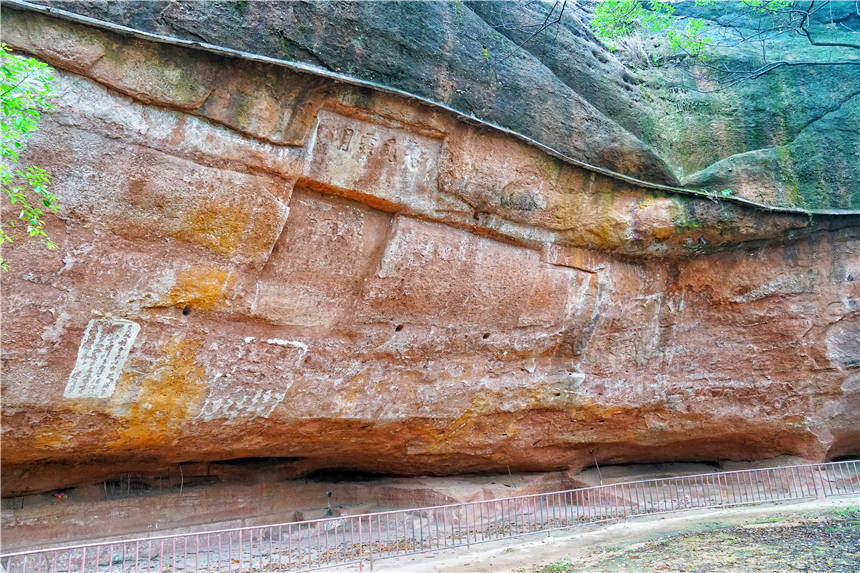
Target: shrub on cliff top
pixel 743 22
pixel 617 19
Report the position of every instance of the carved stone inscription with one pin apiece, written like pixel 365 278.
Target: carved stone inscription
pixel 250 378
pixel 369 158
pixel 101 358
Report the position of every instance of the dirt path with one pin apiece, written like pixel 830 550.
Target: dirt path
pixel 820 535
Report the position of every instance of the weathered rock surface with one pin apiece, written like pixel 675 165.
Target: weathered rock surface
pixel 789 138
pixel 432 49
pixel 256 262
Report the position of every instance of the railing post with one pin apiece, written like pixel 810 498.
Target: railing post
pixel 360 548
pixel 720 489
pixel 468 541
pixel 370 536
pixel 818 468
pixel 812 478
pixel 624 495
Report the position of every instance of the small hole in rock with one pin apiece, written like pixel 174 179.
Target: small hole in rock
pixel 486 335
pixel 186 310
pixel 398 328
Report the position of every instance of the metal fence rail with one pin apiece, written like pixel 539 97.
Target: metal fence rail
pixel 321 543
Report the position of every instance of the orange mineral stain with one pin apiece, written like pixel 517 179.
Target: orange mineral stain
pixel 170 395
pixel 199 287
pixel 216 226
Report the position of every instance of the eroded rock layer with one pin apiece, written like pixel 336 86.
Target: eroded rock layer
pixel 256 262
pixel 788 137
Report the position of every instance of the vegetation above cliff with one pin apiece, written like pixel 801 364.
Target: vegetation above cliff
pixel 757 22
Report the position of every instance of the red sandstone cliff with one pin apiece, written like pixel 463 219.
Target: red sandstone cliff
pixel 258 262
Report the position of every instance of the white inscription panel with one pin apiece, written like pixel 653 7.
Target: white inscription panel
pixel 384 161
pixel 252 378
pixel 101 358
pixel 247 407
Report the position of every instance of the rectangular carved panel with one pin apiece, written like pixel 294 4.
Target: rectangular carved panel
pixel 101 358
pixel 358 155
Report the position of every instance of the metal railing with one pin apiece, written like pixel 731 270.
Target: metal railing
pixel 321 543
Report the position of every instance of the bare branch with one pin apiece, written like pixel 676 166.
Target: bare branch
pixel 547 22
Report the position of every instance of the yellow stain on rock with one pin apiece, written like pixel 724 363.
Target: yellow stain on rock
pixel 656 214
pixel 199 287
pixel 219 227
pixel 645 202
pixel 353 390
pixel 479 405
pixel 581 409
pixel 488 402
pixel 170 394
pixel 662 233
pixel 53 437
pixel 587 410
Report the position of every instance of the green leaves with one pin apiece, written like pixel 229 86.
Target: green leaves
pixel 689 39
pixel 25 90
pixel 617 19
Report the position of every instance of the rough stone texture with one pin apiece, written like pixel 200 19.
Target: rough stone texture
pixel 346 279
pixel 789 138
pixel 433 49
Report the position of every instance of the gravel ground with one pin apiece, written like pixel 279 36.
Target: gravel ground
pixel 817 535
pixel 813 541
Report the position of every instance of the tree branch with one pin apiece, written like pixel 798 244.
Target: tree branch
pixel 543 26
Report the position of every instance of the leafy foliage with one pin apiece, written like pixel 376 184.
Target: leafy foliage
pixel 25 91
pixel 755 22
pixel 615 19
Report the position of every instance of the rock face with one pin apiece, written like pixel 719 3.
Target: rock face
pixel 788 138
pixel 255 263
pixel 438 50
